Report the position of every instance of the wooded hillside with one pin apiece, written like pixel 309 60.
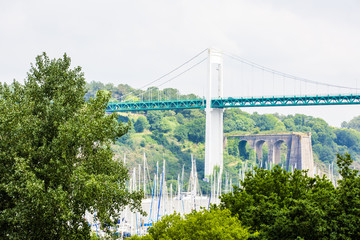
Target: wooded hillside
pixel 175 135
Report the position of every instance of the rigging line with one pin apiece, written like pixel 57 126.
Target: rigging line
pixel 240 59
pixel 170 71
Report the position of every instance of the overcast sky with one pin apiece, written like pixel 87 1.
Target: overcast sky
pixel 135 42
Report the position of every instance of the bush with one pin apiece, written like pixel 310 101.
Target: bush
pixel 213 224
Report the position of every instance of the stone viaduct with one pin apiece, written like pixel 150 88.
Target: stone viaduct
pixel 299 149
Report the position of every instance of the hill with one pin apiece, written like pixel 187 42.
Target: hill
pixel 174 135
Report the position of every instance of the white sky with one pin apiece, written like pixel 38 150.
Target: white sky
pixel 135 42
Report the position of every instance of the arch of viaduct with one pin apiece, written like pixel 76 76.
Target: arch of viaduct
pixel 299 149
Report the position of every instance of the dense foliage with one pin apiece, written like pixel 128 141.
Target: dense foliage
pixel 56 160
pixel 284 205
pixel 201 225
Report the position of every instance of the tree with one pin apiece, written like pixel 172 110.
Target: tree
pixel 283 205
pixel 236 120
pixel 348 137
pixel 275 199
pixel 167 124
pixel 196 130
pixel 324 152
pixel 213 224
pixel 181 133
pixel 346 213
pixel 353 123
pixel 141 124
pixel 233 145
pixel 180 118
pixel 289 124
pixel 56 161
pixel 265 122
pixel 154 118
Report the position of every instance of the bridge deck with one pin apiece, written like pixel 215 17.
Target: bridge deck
pixel 234 102
pixel 155 105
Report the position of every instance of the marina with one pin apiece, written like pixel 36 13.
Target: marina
pixel 160 200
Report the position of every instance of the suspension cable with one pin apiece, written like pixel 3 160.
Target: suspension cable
pixel 178 75
pixel 196 64
pixel 270 70
pixel 165 75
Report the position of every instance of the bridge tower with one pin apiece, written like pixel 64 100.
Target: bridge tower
pixel 214 135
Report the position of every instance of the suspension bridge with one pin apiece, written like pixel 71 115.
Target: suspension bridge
pixel 214 101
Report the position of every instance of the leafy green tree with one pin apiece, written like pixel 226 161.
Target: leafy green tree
pixel 229 125
pixel 180 118
pixel 192 113
pixel 270 200
pixel 196 129
pixel 168 124
pixel 160 138
pixel 237 120
pixel 289 124
pixel 213 224
pixel 141 124
pixel 170 94
pixel 353 123
pixel 232 146
pixel 154 118
pixel 345 220
pixel 349 138
pixel 325 153
pixel 300 120
pixel 279 126
pixel 181 133
pixel 284 205
pixel 265 122
pixel 92 89
pixel 56 161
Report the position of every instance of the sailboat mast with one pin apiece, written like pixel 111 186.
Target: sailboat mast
pixel 165 190
pixel 144 175
pixel 160 191
pixel 179 192
pixel 139 177
pixel 171 198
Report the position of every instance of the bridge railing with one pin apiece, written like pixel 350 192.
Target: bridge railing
pixel 286 101
pixel 156 105
pixel 234 102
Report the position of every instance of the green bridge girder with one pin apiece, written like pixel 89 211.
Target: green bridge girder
pixel 234 102
pixel 286 101
pixel 155 105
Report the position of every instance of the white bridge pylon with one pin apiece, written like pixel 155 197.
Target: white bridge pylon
pixel 214 135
